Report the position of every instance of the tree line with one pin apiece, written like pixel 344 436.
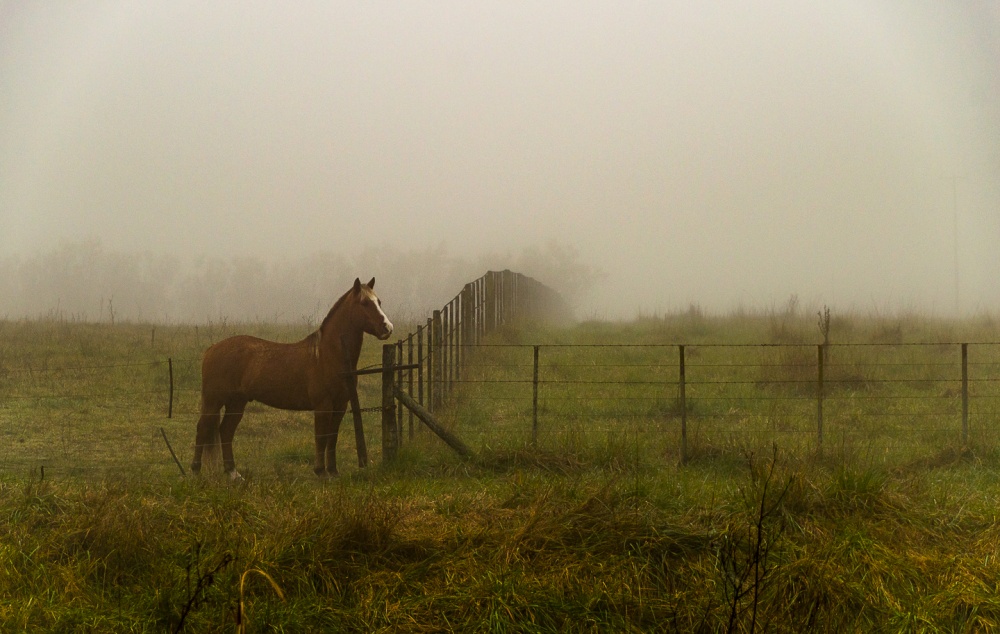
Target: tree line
pixel 84 281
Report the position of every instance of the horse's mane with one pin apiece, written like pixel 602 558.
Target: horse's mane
pixel 337 304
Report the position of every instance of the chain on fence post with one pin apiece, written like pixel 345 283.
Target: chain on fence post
pixel 389 441
pixel 820 354
pixel 965 394
pixel 682 397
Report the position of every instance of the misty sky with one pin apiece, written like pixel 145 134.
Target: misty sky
pixel 720 153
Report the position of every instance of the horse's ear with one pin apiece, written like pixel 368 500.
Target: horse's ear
pixel 357 284
pixel 371 284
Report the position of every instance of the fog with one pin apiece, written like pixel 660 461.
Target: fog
pixel 642 156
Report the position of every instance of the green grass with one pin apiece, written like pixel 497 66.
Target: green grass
pixel 597 527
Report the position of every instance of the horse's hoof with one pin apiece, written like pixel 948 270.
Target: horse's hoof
pixel 235 476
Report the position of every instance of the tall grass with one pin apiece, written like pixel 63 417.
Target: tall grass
pixel 594 528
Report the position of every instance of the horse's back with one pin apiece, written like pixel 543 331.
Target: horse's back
pixel 253 369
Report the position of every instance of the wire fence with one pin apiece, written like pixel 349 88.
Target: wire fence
pixel 898 400
pixel 672 402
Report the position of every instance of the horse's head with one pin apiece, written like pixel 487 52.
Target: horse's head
pixel 373 320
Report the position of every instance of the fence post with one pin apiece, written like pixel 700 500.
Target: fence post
pixel 389 441
pixel 965 394
pixel 682 396
pixel 170 403
pixel 452 348
pixel 409 378
pixel 420 364
pixel 399 382
pixel 820 354
pixel 437 371
pixel 534 400
pixel 430 363
pixel 466 323
pixel 490 305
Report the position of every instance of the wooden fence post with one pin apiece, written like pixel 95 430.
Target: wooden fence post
pixel 965 394
pixel 534 400
pixel 490 306
pixel 409 379
pixel 399 382
pixel 449 335
pixel 682 397
pixel 466 323
pixel 820 355
pixel 430 363
pixel 170 403
pixel 437 371
pixel 420 364
pixel 390 443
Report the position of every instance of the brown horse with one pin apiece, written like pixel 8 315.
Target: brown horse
pixel 314 374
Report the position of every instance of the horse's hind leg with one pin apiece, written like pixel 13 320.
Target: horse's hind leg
pixel 227 429
pixel 327 430
pixel 331 447
pixel 205 437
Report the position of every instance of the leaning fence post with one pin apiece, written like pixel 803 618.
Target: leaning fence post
pixel 389 441
pixel 819 394
pixel 965 394
pixel 682 396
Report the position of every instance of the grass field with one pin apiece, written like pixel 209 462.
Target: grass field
pixel 597 527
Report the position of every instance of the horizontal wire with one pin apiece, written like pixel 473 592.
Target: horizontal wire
pixel 30 370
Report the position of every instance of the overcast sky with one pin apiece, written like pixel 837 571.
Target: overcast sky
pixel 721 153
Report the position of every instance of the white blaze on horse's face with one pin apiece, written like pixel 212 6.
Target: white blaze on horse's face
pixel 386 330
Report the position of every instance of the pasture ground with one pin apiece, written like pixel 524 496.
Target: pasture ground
pixel 591 530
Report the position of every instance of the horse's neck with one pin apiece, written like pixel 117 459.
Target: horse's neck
pixel 338 340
